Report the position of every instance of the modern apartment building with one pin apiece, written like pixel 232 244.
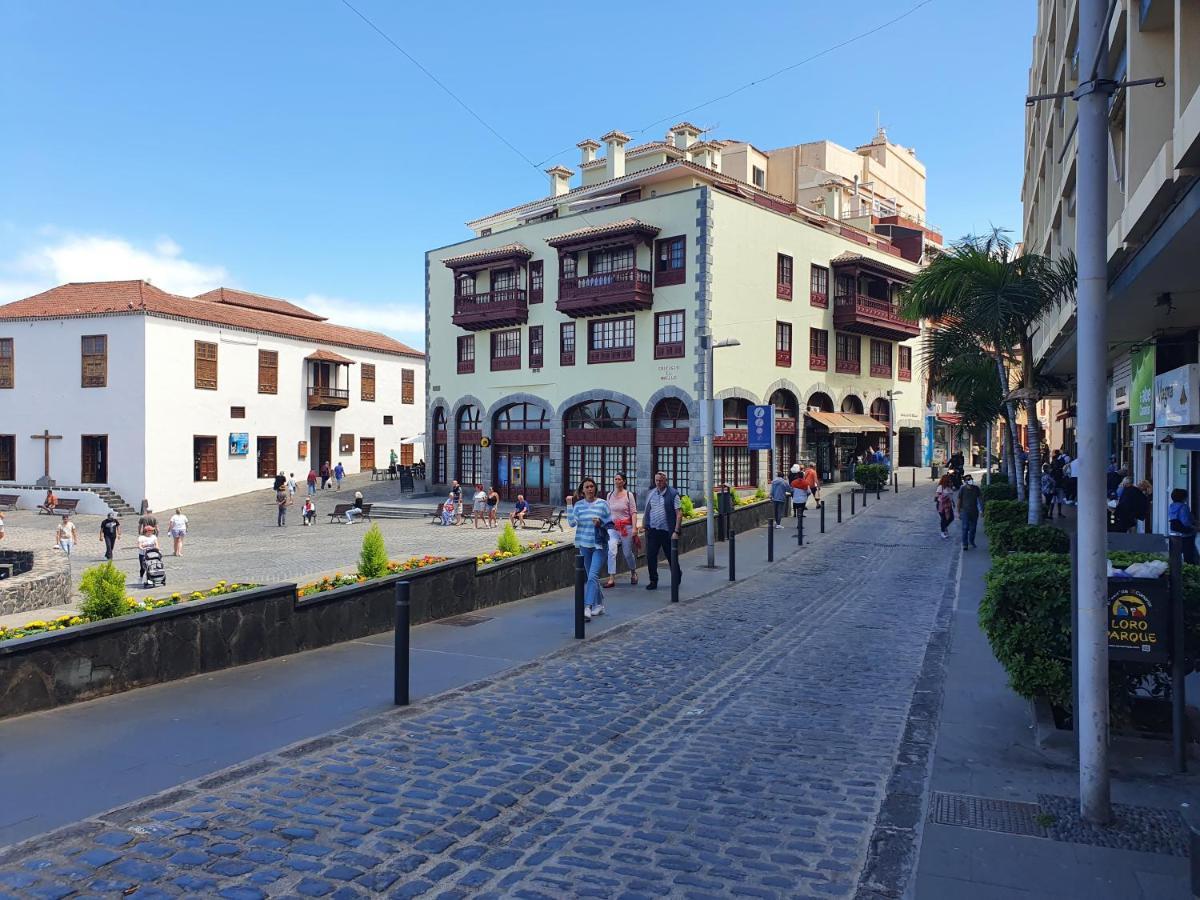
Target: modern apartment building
pixel 1153 222
pixel 567 330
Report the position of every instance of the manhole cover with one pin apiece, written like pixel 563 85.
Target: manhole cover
pixel 1007 816
pixel 466 620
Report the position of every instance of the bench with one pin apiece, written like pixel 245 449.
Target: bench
pixel 339 512
pixel 435 517
pixel 550 516
pixel 9 501
pixel 64 507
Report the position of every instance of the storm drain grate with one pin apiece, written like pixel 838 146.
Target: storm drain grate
pixel 466 620
pixel 1006 816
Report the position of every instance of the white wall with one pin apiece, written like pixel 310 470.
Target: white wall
pixel 48 395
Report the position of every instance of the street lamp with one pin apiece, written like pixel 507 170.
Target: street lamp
pixel 710 430
pixel 892 395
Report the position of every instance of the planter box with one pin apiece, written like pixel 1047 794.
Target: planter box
pixel 1061 741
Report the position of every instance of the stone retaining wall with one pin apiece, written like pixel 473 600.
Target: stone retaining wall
pixel 60 667
pixel 45 580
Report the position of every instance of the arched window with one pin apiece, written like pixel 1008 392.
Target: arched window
pixel 521 452
pixel 440 466
pixel 786 432
pixel 820 402
pixel 672 429
pixel 851 404
pixel 879 410
pixel 522 417
pixel 600 437
pixel 470 454
pixel 734 464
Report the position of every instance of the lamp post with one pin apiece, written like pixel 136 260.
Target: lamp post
pixel 709 432
pixel 892 395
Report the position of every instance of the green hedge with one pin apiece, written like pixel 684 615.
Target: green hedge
pixel 999 478
pixel 872 476
pixel 1008 538
pixel 1000 517
pixel 992 492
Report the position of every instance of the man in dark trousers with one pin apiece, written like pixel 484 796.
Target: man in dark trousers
pixel 663 518
pixel 970 502
pixel 110 533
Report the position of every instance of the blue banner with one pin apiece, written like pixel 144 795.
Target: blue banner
pixel 762 427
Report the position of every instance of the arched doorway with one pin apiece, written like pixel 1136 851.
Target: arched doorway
pixel 879 410
pixel 818 441
pixel 733 462
pixel 521 452
pixel 440 449
pixel 851 404
pixel 468 432
pixel 671 431
pixel 819 402
pixel 787 409
pixel 600 439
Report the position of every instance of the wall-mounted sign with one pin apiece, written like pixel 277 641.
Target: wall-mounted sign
pixel 1141 386
pixel 302 450
pixel 1177 397
pixel 1139 619
pixel 239 443
pixel 485 442
pixel 761 427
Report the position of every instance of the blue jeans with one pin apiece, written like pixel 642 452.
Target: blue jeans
pixel 969 524
pixel 593 560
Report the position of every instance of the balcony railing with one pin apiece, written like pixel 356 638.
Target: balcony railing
pixel 505 363
pixel 466 366
pixel 491 309
pixel 321 397
pixel 880 371
pixel 783 357
pixel 622 290
pixel 817 298
pixel 613 354
pixel 860 314
pixel 669 350
pixel 783 291
pixel 848 366
pixel 905 375
pixel 818 363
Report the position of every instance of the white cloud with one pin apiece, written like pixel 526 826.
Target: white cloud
pixel 406 321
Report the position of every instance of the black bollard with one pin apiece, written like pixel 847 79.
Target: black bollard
pixel 800 526
pixel 770 540
pixel 864 496
pixel 914 476
pixel 852 501
pixel 580 580
pixel 895 482
pixel 675 573
pixel 732 555
pixel 878 490
pixel 821 507
pixel 401 649
pixel 839 496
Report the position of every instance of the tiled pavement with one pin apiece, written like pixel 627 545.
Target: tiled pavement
pixel 737 746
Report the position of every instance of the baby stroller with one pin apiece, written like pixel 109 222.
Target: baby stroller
pixel 156 572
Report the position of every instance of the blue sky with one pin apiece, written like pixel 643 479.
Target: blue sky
pixel 285 148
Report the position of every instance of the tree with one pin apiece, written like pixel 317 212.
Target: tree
pixel 982 299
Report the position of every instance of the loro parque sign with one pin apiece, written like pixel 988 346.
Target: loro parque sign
pixel 1139 620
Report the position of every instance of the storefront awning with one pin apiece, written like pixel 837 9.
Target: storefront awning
pixel 846 423
pixel 1065 413
pixel 950 418
pixel 1187 441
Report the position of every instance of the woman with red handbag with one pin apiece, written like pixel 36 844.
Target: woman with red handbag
pixel 623 505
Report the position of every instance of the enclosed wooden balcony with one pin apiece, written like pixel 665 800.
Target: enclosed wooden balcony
pixel 620 291
pixel 598 268
pixel 491 309
pixel 860 314
pixel 327 398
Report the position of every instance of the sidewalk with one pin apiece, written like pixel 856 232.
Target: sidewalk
pixel 986 748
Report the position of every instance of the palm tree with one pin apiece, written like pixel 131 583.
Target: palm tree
pixel 981 296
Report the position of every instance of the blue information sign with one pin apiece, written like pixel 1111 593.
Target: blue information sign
pixel 762 427
pixel 239 443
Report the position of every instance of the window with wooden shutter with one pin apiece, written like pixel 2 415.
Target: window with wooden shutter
pixel 95 360
pixel 206 366
pixel 7 374
pixel 783 276
pixel 268 372
pixel 368 382
pixel 408 385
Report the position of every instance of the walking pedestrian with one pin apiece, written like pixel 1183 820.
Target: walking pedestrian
pixel 590 517
pixel 355 511
pixel 1073 481
pixel 493 505
pixel 943 501
pixel 291 484
pixel 110 533
pixel 177 529
pixel 1049 489
pixel 65 535
pixel 312 482
pixel 1 526
pixel 970 505
pixel 779 492
pixel 456 494
pixel 622 505
pixel 280 482
pixel 147 518
pixel 1133 506
pixel 281 505
pixel 326 476
pixel 813 481
pixel 339 472
pixel 147 540
pixel 799 490
pixel 663 519
pixel 1181 522
pixel 479 506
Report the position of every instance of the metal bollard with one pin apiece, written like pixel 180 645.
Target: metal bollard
pixel 839 496
pixel 675 569
pixel 580 580
pixel 400 666
pixel 821 507
pixel 1192 819
pixel 771 540
pixel 914 484
pixel 895 482
pixel 878 491
pixel 864 496
pixel 851 501
pixel 800 526
pixel 732 555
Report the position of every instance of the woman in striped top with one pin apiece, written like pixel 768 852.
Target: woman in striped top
pixel 590 517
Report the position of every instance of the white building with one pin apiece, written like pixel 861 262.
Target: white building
pixel 177 400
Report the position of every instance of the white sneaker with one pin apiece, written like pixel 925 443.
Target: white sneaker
pixel 945 537
pixel 777 525
pixel 587 612
pixel 598 609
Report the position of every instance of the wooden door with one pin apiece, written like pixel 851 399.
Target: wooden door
pixel 8 458
pixel 204 458
pixel 266 457
pixel 93 457
pixel 406 454
pixel 366 454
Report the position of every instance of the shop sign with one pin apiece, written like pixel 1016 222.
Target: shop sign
pixel 1141 386
pixel 1175 397
pixel 762 427
pixel 239 443
pixel 1139 619
pixel 1119 397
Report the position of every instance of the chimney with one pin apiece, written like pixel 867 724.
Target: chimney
pixel 560 180
pixel 587 151
pixel 706 154
pixel 684 135
pixel 614 154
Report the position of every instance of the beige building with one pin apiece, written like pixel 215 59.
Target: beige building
pixel 1153 218
pixel 576 321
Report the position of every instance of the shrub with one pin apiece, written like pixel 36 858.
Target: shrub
pixel 103 591
pixel 999 478
pixel 688 507
pixel 761 493
pixel 508 542
pixel 373 559
pixel 1038 539
pixel 872 476
pixel 992 492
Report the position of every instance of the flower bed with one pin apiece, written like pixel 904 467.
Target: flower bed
pixel 132 605
pixel 338 579
pixel 487 559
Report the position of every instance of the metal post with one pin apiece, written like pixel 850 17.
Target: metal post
pixel 987 475
pixel 864 496
pixel 400 667
pixel 821 508
pixel 708 427
pixel 878 490
pixel 895 482
pixel 1091 240
pixel 851 501
pixel 1178 673
pixel 675 569
pixel 580 579
pixel 839 496
pixel 800 526
pixel 771 540
pixel 732 554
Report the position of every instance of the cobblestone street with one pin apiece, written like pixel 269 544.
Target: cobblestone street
pixel 740 745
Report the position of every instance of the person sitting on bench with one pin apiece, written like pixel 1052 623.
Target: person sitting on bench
pixel 356 510
pixel 520 510
pixel 51 500
pixel 448 510
pixel 309 515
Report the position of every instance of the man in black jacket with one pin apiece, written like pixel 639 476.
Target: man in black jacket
pixel 663 518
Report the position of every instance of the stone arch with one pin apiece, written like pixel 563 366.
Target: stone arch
pixel 510 399
pixel 739 393
pixel 558 437
pixel 824 395
pixel 647 455
pixel 485 461
pixel 819 387
pixel 851 403
pixel 538 468
pixel 431 445
pixel 598 394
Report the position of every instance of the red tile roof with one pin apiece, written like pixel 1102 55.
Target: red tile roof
pixel 324 355
pixel 508 251
pixel 856 259
pixel 259 301
pixel 621 226
pixel 114 297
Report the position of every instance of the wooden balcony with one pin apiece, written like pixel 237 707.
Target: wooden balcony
pixel 879 371
pixel 327 398
pixel 783 291
pixel 905 375
pixel 818 363
pixel 783 357
pixel 491 309
pixel 859 314
pixel 816 298
pixel 847 366
pixel 605 293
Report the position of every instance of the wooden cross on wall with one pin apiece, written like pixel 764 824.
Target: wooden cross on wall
pixel 47 437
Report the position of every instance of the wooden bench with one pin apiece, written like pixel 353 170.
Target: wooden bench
pixel 550 516
pixel 435 517
pixel 64 507
pixel 9 501
pixel 339 512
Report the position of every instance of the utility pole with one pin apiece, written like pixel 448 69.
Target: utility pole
pixel 708 427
